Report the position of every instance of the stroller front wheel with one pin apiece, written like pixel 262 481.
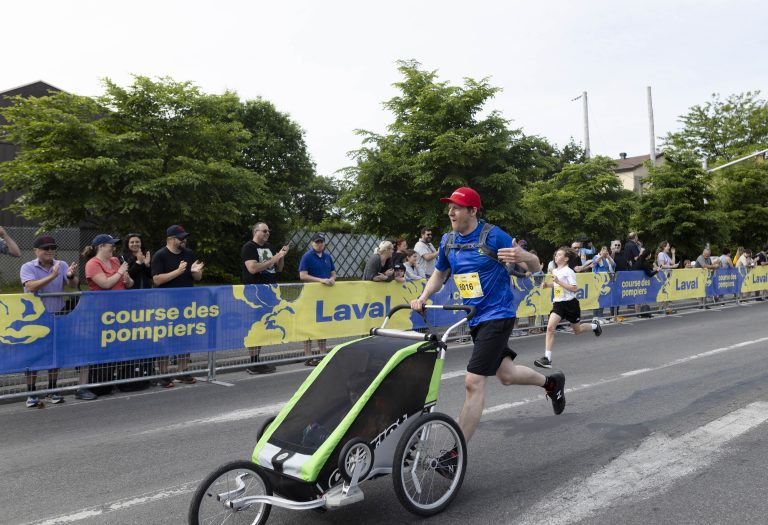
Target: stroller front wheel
pixel 217 498
pixel 429 464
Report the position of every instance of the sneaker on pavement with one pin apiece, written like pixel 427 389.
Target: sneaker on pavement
pixel 55 399
pixel 598 329
pixel 313 361
pixel 186 379
pixel 85 395
pixel 165 382
pixel 557 392
pixel 261 369
pixel 543 362
pixel 446 465
pixel 32 401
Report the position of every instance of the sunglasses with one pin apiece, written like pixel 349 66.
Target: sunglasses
pixel 49 248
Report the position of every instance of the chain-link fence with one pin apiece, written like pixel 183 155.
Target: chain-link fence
pixel 350 252
pixel 69 240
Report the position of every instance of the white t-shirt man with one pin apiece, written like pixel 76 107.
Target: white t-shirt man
pixel 568 276
pixel 423 248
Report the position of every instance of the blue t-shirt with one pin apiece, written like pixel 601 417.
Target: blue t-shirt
pixel 483 282
pixel 319 266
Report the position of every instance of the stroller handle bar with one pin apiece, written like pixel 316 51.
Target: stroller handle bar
pixel 418 336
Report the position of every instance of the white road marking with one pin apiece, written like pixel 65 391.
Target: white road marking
pixel 656 464
pixel 120 504
pixel 274 408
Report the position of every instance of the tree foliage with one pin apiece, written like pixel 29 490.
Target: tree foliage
pixel 582 199
pixel 722 130
pixel 436 143
pixel 676 206
pixel 742 198
pixel 155 153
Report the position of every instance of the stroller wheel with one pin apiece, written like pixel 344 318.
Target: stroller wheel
pixel 429 464
pixel 264 427
pixel 356 452
pixel 220 496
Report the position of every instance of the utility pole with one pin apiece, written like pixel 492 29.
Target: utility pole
pixel 583 96
pixel 651 128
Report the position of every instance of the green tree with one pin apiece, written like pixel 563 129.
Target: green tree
pixel 436 143
pixel 676 206
pixel 742 197
pixel 585 198
pixel 722 130
pixel 160 152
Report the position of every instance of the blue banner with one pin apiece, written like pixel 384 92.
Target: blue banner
pixel 135 324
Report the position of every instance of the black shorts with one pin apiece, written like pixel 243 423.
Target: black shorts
pixel 491 340
pixel 568 310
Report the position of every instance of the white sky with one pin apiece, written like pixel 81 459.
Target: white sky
pixel 330 64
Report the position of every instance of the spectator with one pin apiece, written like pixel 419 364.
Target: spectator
pixel 427 252
pixel 412 270
pixel 761 259
pixel 602 263
pixel 687 264
pixel 617 254
pixel 398 273
pixel 401 245
pixel 49 275
pixel 7 245
pixel 138 262
pixel 739 253
pixel 587 250
pixel 631 249
pixel 175 266
pixel 103 270
pixel 725 259
pixel 663 259
pixel 379 267
pixel 565 305
pixel 316 266
pixel 745 260
pixel 666 262
pixel 705 261
pixel 260 266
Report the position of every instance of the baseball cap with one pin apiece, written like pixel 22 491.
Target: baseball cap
pixel 464 197
pixel 45 241
pixel 318 237
pixel 104 238
pixel 176 231
pixel 398 266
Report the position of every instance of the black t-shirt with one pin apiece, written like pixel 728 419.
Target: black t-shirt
pixel 140 273
pixel 761 258
pixel 620 260
pixel 259 253
pixel 165 261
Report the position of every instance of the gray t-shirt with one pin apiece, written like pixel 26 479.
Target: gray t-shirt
pixel 422 248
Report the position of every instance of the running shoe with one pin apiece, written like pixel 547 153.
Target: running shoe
pixel 32 401
pixel 598 329
pixel 187 379
pixel 55 399
pixel 557 393
pixel 447 464
pixel 543 362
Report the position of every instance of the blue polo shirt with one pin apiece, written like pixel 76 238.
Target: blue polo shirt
pixel 319 266
pixel 34 271
pixel 493 297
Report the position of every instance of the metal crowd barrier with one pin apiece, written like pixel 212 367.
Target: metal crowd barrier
pixel 106 378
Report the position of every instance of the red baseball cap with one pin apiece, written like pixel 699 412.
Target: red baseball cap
pixel 464 197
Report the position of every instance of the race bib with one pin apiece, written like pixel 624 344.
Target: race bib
pixel 558 291
pixel 468 285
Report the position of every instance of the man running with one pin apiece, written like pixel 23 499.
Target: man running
pixel 484 283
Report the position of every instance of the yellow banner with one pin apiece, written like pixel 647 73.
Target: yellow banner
pixel 687 283
pixel 755 280
pixel 321 312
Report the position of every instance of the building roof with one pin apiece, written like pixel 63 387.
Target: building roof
pixel 632 163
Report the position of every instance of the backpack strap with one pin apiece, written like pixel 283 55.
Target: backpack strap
pixel 481 245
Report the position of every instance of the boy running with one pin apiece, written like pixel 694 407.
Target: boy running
pixel 564 306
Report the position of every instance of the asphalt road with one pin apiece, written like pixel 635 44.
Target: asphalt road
pixel 665 423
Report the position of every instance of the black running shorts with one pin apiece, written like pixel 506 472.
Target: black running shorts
pixel 568 310
pixel 491 340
